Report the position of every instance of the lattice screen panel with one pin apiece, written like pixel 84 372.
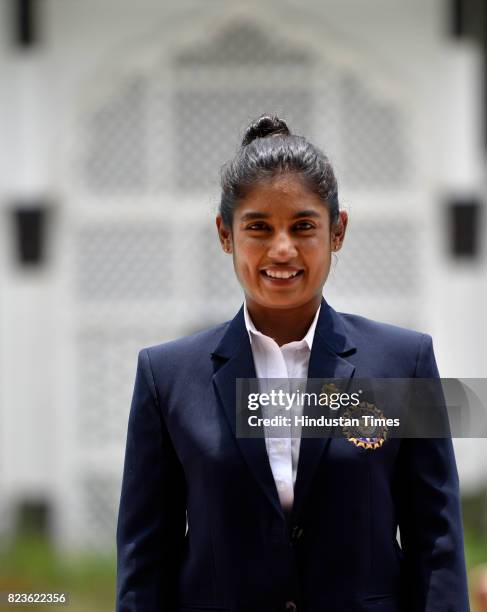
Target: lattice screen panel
pixel 219 292
pixel 379 257
pixel 373 137
pixel 206 119
pixel 100 495
pixel 106 366
pixel 171 127
pixel 124 262
pixel 326 130
pixel 222 85
pixel 115 156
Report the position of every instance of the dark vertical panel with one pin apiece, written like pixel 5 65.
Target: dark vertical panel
pixel 25 22
pixel 464 222
pixel 33 517
pixel 457 18
pixel 468 19
pixel 29 232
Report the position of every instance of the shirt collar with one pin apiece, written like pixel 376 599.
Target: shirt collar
pixel 252 330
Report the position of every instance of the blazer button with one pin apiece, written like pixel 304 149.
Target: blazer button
pixel 290 606
pixel 296 533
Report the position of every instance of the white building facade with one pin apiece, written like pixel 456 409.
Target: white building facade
pixel 119 120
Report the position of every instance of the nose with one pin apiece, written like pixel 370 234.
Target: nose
pixel 282 247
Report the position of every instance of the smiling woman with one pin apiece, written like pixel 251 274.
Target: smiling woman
pixel 212 521
pixel 281 239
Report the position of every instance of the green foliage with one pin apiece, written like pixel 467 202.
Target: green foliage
pixel 474 509
pixel 31 564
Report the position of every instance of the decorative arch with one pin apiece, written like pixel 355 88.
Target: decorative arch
pixel 168 120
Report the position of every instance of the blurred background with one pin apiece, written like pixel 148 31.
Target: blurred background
pixel 115 117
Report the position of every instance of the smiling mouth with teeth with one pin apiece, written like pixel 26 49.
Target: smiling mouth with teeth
pixel 281 274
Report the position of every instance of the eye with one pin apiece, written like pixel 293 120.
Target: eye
pixel 303 225
pixel 258 226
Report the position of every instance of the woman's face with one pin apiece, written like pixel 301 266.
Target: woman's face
pixel 282 242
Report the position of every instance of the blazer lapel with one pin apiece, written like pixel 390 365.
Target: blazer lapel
pixel 233 358
pixel 330 344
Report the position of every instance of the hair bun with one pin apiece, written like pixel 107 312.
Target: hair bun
pixel 265 125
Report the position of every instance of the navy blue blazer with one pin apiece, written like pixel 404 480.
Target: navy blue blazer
pixel 338 552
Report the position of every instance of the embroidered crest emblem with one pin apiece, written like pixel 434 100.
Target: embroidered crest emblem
pixel 329 388
pixel 371 430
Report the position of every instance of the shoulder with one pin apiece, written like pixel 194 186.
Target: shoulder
pixel 364 329
pixel 395 348
pixel 187 349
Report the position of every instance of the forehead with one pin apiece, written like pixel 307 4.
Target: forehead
pixel 281 195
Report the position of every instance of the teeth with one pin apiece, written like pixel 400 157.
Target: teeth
pixel 280 274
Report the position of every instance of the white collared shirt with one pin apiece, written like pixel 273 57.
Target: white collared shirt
pixel 290 360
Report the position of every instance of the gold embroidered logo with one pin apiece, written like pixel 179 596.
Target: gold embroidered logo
pixel 329 388
pixel 368 427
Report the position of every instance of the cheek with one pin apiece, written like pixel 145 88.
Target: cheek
pixel 247 254
pixel 318 256
pixel 245 262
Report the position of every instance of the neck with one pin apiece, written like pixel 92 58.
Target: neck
pixel 283 324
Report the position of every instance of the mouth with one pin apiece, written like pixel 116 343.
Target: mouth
pixel 281 277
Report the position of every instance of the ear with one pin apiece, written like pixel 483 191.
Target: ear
pixel 338 231
pixel 224 234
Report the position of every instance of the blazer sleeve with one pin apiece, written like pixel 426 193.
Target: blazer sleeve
pixel 152 513
pixel 429 515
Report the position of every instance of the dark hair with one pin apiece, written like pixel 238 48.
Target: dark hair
pixel 269 149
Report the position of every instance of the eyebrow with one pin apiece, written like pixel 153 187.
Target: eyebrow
pixel 261 215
